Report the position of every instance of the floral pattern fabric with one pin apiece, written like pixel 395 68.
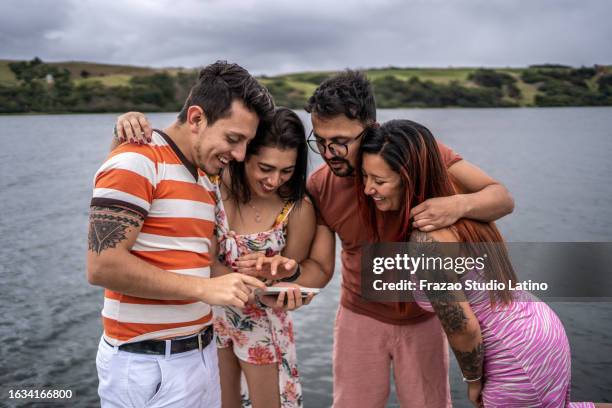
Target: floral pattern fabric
pixel 258 334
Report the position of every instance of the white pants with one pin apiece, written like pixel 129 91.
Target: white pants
pixel 189 379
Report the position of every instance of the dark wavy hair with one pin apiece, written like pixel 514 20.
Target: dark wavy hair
pixel 411 150
pixel 348 93
pixel 284 131
pixel 219 84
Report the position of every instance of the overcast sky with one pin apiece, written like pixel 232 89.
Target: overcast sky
pixel 269 37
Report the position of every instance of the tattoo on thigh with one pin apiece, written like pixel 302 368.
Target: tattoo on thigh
pixel 108 227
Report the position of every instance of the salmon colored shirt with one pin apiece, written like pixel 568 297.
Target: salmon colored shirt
pixel 337 208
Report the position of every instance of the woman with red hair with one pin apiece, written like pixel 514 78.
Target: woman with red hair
pixel 511 348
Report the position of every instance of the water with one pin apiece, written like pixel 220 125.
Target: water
pixel 554 161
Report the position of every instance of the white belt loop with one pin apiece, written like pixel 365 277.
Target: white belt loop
pixel 168 348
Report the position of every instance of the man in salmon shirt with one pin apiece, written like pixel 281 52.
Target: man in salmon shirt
pixel 151 242
pixel 370 338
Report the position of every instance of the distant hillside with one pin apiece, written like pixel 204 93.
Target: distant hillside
pixel 108 74
pixel 36 86
pixel 413 87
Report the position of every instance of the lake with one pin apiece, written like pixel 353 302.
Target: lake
pixel 556 163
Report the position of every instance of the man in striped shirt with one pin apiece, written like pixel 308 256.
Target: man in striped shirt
pixel 151 245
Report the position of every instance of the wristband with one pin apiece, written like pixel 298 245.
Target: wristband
pixel 293 277
pixel 472 380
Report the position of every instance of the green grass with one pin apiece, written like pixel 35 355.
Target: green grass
pixel 108 74
pixel 95 70
pixel 307 87
pixel 438 75
pixel 528 92
pixel 303 76
pixel 111 80
pixel 6 75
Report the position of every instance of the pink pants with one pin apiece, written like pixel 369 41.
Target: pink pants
pixel 366 349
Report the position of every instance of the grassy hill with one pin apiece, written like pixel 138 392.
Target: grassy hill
pixel 108 74
pixel 308 81
pixel 548 85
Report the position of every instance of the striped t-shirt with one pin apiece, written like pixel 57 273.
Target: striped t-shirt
pixel 177 202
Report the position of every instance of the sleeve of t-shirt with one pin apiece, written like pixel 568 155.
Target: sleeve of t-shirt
pixel 315 194
pixel 126 180
pixel 448 155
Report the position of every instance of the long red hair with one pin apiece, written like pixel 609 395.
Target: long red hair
pixel 410 149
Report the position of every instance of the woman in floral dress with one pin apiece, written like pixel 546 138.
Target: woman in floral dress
pixel 262 209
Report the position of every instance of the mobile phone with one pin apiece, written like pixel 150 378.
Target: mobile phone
pixel 275 290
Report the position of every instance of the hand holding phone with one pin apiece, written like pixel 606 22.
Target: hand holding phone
pixel 286 295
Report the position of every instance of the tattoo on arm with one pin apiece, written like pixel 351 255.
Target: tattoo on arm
pixel 451 316
pixel 108 226
pixel 471 361
pixel 449 310
pixel 444 302
pixel 420 236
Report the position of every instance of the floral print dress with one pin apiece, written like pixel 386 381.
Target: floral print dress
pixel 258 334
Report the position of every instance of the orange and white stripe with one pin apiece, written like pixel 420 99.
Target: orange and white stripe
pixel 177 202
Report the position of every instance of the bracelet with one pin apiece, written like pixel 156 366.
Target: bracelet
pixel 293 277
pixel 472 380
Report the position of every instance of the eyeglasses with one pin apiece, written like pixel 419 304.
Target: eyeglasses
pixel 319 146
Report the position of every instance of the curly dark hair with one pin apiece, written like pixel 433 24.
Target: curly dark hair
pixel 348 93
pixel 221 83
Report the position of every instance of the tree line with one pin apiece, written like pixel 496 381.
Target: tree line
pixel 42 87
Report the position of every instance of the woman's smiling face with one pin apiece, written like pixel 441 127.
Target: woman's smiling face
pixel 381 183
pixel 269 169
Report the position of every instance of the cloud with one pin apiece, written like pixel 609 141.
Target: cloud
pixel 280 36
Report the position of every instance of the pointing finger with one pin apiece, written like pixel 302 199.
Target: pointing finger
pixel 259 263
pixel 274 266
